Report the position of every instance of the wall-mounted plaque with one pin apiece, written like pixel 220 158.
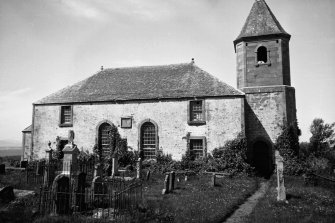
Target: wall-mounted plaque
pixel 126 123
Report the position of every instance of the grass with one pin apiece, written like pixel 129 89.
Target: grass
pixel 192 201
pixel 196 200
pixel 305 204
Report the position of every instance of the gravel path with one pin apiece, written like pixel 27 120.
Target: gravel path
pixel 245 209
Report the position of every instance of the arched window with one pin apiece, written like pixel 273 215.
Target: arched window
pixel 262 55
pixel 104 138
pixel 148 140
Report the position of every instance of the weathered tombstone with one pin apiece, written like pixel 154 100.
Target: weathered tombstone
pixel 148 175
pixel 172 181
pixel 2 169
pixel 280 177
pixel 214 179
pixel 70 163
pixel 97 190
pixel 97 170
pixel 80 191
pixel 166 184
pixel 7 194
pixel 139 168
pixel 61 191
pixel 49 170
pixel 115 167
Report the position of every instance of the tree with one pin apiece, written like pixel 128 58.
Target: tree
pixel 323 137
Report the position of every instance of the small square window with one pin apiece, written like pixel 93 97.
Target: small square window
pixel 66 116
pixel 196 112
pixel 126 123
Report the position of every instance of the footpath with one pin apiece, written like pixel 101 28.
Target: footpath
pixel 242 213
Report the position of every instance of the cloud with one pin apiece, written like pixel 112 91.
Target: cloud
pixel 82 9
pixel 9 96
pixel 152 10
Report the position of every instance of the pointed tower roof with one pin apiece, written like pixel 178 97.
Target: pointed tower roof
pixel 261 22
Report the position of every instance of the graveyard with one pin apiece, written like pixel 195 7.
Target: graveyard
pixel 72 191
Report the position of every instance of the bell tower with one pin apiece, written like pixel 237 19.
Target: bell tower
pixel 263 74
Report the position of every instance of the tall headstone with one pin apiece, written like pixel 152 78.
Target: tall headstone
pixel 115 166
pixel 280 177
pixel 166 184
pixel 71 153
pixel 214 179
pixel 80 191
pixel 61 191
pixel 139 168
pixel 2 169
pixel 49 170
pixel 172 181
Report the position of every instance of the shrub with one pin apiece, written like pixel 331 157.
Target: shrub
pixel 287 144
pixel 231 157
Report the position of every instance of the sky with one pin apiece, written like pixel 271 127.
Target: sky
pixel 46 45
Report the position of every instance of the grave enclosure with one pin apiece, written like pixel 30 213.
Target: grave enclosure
pixel 81 189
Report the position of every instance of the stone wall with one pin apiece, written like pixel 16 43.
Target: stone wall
pixel 265 113
pixel 224 120
pixel 276 72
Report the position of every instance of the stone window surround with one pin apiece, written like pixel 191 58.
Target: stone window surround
pixel 140 133
pixel 268 62
pixel 60 116
pixel 203 121
pixel 204 143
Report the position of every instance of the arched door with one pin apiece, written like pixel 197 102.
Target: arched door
pixel 262 158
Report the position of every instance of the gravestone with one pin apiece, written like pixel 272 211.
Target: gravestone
pixel 139 168
pixel 115 167
pixel 40 168
pixel 61 194
pixel 2 169
pixel 80 191
pixel 166 184
pixel 98 190
pixel 148 175
pixel 172 181
pixel 49 170
pixel 70 162
pixel 214 180
pixel 280 177
pixel 7 194
pixel 97 170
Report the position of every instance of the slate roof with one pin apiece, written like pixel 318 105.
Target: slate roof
pixel 261 21
pixel 146 82
pixel 28 129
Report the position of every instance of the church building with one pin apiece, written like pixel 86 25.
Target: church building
pixel 166 108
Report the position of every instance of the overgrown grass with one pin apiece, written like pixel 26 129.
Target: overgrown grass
pixel 196 200
pixel 305 204
pixel 192 201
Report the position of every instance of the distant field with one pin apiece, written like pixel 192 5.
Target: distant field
pixel 10 151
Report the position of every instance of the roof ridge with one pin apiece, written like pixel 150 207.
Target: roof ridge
pixel 144 66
